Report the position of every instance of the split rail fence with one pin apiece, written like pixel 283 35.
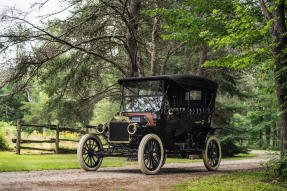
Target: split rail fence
pixel 56 128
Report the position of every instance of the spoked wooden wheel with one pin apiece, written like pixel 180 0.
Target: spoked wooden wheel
pixel 212 154
pixel 150 154
pixel 88 152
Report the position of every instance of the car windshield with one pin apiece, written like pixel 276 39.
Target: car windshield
pixel 142 96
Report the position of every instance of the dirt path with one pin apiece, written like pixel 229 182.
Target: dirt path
pixel 115 178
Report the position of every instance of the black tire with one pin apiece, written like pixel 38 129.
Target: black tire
pixel 86 152
pixel 150 154
pixel 212 154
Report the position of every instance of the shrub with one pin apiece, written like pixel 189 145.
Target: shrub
pixel 277 167
pixel 3 142
pixel 229 148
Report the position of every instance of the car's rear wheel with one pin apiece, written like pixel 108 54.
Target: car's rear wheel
pixel 150 154
pixel 212 154
pixel 88 152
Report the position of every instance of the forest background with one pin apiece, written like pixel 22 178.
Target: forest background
pixel 65 71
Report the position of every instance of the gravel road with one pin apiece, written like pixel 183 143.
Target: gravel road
pixel 115 178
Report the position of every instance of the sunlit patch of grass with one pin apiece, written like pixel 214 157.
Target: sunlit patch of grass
pixel 179 160
pixel 241 156
pixel 243 181
pixel 11 162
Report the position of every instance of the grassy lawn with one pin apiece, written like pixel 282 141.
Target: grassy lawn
pixel 9 161
pixel 241 156
pixel 243 181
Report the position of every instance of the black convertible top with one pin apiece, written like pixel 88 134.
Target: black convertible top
pixel 184 80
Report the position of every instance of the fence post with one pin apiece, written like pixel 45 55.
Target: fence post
pixel 18 140
pixel 57 139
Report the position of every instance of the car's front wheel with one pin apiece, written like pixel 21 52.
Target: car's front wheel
pixel 212 154
pixel 88 152
pixel 150 154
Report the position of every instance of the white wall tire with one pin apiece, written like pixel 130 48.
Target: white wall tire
pixel 88 145
pixel 212 154
pixel 150 154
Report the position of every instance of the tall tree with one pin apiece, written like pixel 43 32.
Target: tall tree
pixel 277 31
pixel 77 60
pixel 188 20
pixel 253 40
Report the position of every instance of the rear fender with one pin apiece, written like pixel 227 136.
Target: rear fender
pixel 210 133
pixel 212 130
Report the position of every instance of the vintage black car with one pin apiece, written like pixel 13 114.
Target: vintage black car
pixel 159 116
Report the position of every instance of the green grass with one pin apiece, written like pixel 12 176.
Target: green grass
pixel 243 181
pixel 262 149
pixel 241 156
pixel 9 161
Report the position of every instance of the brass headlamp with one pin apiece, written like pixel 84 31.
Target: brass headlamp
pixel 132 128
pixel 101 128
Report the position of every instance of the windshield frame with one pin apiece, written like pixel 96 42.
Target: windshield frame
pixel 139 96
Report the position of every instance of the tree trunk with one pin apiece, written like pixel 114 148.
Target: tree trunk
pixel 154 39
pixel 6 113
pixel 281 96
pixel 202 59
pixel 267 133
pixel 169 53
pixel 131 37
pixel 57 140
pixel 191 66
pixel 274 141
pixel 18 141
pixel 260 139
pixel 140 63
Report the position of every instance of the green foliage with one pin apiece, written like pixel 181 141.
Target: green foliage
pixel 73 91
pixel 231 134
pixel 104 111
pixel 36 109
pixel 69 110
pixel 3 142
pixel 186 21
pixel 277 167
pixel 197 22
pixel 66 82
pixel 10 109
pixel 243 118
pixel 244 28
pixel 72 81
pixel 242 181
pixel 260 114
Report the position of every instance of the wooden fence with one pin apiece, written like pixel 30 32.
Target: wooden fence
pixel 18 139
